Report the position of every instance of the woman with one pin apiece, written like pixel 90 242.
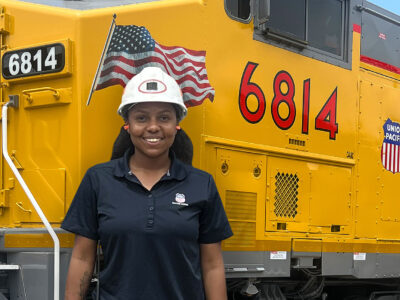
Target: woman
pixel 159 221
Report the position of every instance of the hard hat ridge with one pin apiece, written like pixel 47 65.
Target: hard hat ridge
pixel 152 85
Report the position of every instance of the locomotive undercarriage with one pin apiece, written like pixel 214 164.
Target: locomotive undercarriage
pixel 312 276
pixel 306 284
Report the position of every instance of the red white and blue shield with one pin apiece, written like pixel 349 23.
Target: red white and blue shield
pixel 390 153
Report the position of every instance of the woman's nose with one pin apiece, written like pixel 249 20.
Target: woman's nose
pixel 153 125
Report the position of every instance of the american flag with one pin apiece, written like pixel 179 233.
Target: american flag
pixel 390 153
pixel 132 48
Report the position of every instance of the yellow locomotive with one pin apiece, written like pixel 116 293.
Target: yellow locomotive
pixel 302 136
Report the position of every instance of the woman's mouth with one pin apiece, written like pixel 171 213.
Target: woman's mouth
pixel 152 140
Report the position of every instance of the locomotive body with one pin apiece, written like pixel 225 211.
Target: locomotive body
pixel 302 136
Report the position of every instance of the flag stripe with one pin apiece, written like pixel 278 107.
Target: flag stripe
pixel 396 162
pixel 384 155
pixel 392 159
pixel 176 69
pixel 398 159
pixel 182 65
pixel 128 64
pixel 180 54
pixel 112 81
pixel 189 52
pixel 197 67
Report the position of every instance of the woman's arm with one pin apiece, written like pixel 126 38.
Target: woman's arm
pixel 80 268
pixel 212 266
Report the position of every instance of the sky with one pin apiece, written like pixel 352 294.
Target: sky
pixel 391 5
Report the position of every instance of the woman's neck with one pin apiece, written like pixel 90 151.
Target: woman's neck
pixel 138 161
pixel 149 170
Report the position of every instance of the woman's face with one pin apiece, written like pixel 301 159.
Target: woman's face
pixel 152 127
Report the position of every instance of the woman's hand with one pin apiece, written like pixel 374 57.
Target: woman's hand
pixel 212 266
pixel 80 268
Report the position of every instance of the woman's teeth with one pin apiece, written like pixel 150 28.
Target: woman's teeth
pixel 152 140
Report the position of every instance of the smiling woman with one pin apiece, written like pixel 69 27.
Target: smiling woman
pixel 149 198
pixel 152 128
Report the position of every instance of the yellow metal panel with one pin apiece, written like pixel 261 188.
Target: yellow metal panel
pixel 337 245
pixel 330 203
pixel 319 199
pixel 307 245
pixel 378 70
pixel 369 167
pixel 244 235
pixel 46 97
pixel 37 240
pixel 377 210
pixel 5 22
pixel 389 223
pixel 44 185
pixel 241 180
pixel 271 60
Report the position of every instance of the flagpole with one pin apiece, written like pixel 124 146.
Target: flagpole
pixel 110 32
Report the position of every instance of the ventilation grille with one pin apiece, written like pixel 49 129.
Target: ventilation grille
pixel 244 235
pixel 241 205
pixel 240 208
pixel 286 191
pixel 297 142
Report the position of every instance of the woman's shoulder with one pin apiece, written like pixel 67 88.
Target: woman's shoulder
pixel 107 167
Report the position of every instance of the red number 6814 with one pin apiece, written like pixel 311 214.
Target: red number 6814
pixel 325 119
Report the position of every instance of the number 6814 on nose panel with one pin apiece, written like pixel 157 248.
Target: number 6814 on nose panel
pixel 33 61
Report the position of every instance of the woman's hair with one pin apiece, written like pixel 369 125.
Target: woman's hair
pixel 182 146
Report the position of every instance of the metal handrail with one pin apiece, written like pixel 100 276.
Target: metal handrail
pixel 35 205
pixel 378 14
pixel 28 93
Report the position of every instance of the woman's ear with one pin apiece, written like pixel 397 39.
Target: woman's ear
pixel 178 127
pixel 126 126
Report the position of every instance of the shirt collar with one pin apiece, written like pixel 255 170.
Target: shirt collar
pixel 177 170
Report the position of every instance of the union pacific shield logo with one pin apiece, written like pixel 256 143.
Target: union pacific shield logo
pixel 390 153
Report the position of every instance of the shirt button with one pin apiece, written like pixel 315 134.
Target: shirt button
pixel 151 208
pixel 150 196
pixel 150 221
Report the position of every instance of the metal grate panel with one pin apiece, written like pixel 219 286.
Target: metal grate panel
pixel 240 205
pixel 240 208
pixel 244 235
pixel 286 191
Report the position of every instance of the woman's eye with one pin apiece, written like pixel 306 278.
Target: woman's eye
pixel 140 118
pixel 165 118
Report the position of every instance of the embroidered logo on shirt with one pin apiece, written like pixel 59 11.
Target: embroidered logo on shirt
pixel 180 200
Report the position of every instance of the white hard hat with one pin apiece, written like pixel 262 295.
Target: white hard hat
pixel 152 85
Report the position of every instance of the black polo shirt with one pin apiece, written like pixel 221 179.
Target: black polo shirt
pixel 150 239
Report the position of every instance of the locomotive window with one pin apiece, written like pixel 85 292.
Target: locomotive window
pixel 316 23
pixel 238 10
pixel 325 25
pixel 314 28
pixel 288 18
